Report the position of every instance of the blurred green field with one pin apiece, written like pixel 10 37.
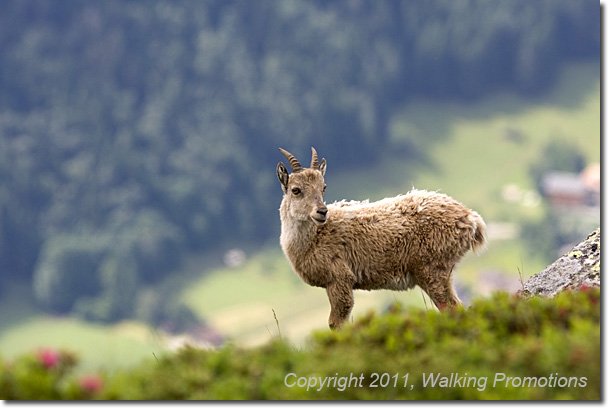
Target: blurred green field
pixel 473 151
pixel 24 328
pixel 243 303
pixel 469 153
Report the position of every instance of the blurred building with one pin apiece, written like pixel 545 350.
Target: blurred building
pixel 591 177
pixel 575 202
pixel 572 191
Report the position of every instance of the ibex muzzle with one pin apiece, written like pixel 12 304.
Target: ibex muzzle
pixel 319 217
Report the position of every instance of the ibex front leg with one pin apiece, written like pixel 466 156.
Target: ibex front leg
pixel 341 297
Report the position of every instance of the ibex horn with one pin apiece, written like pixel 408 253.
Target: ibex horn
pixel 295 165
pixel 314 159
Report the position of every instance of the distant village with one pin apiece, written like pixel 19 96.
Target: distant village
pixel 566 191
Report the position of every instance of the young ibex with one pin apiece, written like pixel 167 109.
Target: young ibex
pixel 395 243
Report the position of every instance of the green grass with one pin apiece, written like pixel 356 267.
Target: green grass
pixel 243 282
pixel 498 338
pixel 24 328
pixel 101 347
pixel 503 334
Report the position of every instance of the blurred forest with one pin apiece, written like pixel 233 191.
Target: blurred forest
pixel 134 131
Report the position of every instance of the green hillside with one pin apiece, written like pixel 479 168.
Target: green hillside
pixel 134 133
pixel 469 158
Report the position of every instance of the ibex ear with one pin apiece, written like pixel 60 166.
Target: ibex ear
pixel 323 166
pixel 282 174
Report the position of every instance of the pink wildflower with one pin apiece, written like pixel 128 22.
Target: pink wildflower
pixel 91 383
pixel 49 358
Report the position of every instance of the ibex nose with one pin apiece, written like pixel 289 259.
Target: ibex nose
pixel 320 216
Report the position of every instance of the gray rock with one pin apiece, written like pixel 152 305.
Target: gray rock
pixel 579 267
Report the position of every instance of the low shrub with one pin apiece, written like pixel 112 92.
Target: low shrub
pixel 502 347
pixel 47 374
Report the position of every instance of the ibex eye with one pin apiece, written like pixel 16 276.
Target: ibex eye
pixel 324 189
pixel 296 191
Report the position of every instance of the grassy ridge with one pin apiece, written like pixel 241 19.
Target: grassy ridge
pixel 503 347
